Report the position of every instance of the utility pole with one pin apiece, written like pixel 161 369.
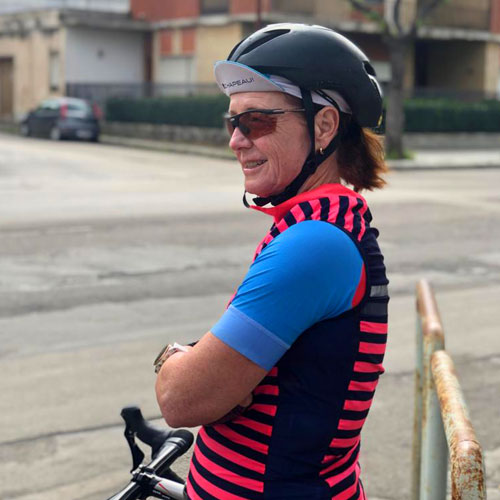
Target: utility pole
pixel 258 22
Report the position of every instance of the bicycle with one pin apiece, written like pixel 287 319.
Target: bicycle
pixel 154 479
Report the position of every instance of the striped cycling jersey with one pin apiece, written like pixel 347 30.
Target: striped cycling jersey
pixel 300 437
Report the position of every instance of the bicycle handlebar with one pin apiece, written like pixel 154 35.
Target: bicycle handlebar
pixel 166 446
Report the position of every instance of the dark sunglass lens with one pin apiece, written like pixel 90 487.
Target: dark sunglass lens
pixel 255 124
pixel 230 124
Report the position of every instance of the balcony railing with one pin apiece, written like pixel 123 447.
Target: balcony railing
pixel 11 6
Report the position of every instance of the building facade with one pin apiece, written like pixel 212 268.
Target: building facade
pixel 458 46
pixel 45 52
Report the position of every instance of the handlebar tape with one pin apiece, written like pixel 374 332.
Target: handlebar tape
pixel 152 435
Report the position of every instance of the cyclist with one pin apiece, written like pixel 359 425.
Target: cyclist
pixel 283 382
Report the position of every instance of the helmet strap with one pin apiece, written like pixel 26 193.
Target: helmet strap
pixel 311 164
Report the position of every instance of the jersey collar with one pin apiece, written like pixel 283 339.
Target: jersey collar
pixel 323 191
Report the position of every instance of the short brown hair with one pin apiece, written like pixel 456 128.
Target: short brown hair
pixel 360 155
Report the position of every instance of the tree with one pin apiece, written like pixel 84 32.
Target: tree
pixel 399 35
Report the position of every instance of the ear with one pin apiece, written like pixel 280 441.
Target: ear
pixel 326 124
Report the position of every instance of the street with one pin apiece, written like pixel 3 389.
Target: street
pixel 110 252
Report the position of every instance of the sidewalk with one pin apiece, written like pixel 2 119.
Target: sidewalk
pixel 430 159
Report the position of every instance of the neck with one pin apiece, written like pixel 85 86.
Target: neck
pixel 327 173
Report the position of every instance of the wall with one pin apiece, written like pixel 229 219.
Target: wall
pixel 156 10
pixel 30 54
pixel 459 65
pixel 104 56
pixel 214 43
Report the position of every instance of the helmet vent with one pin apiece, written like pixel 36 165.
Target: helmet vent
pixel 369 68
pixel 264 39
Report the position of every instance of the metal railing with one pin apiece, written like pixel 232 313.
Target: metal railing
pixel 441 424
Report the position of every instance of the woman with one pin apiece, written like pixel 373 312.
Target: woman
pixel 283 382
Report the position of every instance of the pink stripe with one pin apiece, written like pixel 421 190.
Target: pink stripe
pixel 328 458
pixel 353 405
pixel 254 425
pixel 316 207
pixel 269 389
pixel 340 462
pixel 370 348
pixel 349 492
pixel 273 372
pixel 334 208
pixel 231 455
pixel 210 488
pixel 344 443
pixel 267 409
pixel 228 475
pixel 297 213
pixel 365 367
pixel 243 440
pixel 371 327
pixel 190 490
pixel 350 425
pixel 363 386
pixel 332 481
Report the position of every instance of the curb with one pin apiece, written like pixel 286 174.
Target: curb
pixel 444 163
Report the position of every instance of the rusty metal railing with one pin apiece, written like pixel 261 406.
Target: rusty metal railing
pixel 438 400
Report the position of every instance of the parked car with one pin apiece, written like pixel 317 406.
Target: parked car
pixel 63 118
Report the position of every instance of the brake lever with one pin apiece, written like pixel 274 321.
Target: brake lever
pixel 137 454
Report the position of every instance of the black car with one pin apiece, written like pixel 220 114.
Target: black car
pixel 63 118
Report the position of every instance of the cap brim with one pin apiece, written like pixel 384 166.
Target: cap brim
pixel 233 77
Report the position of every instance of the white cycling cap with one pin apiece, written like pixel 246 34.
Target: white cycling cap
pixel 233 77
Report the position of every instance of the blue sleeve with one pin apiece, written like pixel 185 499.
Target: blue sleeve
pixel 307 274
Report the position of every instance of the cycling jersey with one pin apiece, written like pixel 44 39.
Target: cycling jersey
pixel 313 310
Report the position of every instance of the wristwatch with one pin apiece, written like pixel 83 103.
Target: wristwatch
pixel 165 353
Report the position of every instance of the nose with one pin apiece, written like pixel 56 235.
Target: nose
pixel 239 141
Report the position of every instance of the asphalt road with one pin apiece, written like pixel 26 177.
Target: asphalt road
pixel 107 253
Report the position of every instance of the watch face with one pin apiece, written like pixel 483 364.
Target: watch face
pixel 161 354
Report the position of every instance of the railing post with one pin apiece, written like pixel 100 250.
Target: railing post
pixel 467 468
pixel 417 416
pixel 434 450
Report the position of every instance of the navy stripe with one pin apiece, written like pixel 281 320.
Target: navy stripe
pixel 373 338
pixel 345 466
pixel 238 448
pixel 356 225
pixel 201 492
pixel 306 208
pixel 249 433
pixel 344 484
pixel 353 415
pixel 265 399
pixel 360 395
pixel 343 206
pixel 290 219
pixel 224 485
pixel 375 359
pixel 365 377
pixel 325 208
pixel 357 494
pixel 227 464
pixel 274 232
pixel 374 309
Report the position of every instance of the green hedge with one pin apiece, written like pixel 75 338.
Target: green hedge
pixel 441 115
pixel 199 111
pixel 422 115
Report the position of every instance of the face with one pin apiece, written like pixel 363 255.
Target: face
pixel 270 162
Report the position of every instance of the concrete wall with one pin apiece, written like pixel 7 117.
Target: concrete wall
pixel 213 44
pixel 30 53
pixel 104 56
pixel 463 65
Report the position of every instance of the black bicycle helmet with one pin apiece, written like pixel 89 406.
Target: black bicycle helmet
pixel 315 59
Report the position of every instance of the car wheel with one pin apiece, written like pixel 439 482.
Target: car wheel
pixel 55 133
pixel 25 129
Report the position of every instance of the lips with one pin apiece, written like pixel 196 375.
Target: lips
pixel 249 165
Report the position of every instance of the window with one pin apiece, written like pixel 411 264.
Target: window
pixel 214 6
pixel 54 71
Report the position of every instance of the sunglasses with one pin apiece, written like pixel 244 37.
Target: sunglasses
pixel 255 123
